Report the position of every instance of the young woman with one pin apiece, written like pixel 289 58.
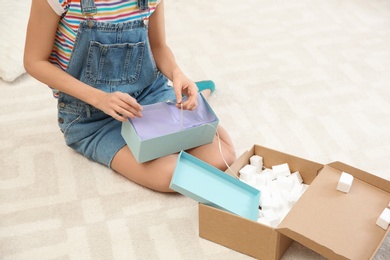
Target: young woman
pixel 104 60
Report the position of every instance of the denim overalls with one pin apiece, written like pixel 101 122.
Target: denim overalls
pixel 110 57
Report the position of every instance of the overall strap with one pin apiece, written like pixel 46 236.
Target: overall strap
pixel 88 7
pixel 143 5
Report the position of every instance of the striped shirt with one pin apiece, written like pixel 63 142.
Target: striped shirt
pixel 112 11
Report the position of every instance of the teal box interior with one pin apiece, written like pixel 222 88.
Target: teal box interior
pixel 146 149
pixel 211 186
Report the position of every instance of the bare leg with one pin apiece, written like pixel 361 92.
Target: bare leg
pixel 157 174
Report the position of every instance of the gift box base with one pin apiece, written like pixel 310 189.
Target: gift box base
pixel 149 149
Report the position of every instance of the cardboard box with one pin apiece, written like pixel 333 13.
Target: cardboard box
pixel 334 224
pixel 211 186
pixel 149 148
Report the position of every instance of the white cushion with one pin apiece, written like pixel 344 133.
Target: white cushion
pixel 14 17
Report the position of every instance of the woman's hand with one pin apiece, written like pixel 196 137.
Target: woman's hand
pixel 183 85
pixel 120 106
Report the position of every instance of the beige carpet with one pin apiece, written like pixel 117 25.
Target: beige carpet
pixel 308 77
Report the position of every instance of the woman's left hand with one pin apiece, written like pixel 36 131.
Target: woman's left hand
pixel 183 85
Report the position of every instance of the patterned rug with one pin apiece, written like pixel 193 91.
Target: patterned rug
pixel 306 77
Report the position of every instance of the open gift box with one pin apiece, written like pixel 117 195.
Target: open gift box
pixel 332 223
pixel 165 129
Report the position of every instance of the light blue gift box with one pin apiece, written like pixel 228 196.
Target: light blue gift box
pixel 211 186
pixel 145 149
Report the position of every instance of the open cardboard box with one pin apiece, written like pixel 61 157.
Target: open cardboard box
pixel 334 224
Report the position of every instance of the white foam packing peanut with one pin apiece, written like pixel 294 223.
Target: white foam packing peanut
pixel 272 217
pixel 247 173
pixel 270 175
pixel 345 182
pixel 281 170
pixel 280 189
pixel 257 161
pixel 296 193
pixel 384 219
pixel 261 179
pixel 264 195
pixel 271 203
pixel 297 178
pixel 263 221
pixel 260 214
pixel 285 182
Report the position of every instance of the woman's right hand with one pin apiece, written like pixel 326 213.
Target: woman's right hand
pixel 120 106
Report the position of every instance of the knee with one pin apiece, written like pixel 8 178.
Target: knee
pixel 163 186
pixel 222 159
pixel 229 156
pixel 165 174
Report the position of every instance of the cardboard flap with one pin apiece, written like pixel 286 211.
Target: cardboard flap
pixel 335 224
pixel 362 175
pixel 241 234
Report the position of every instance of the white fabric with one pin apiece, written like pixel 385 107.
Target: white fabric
pixel 13 22
pixel 56 6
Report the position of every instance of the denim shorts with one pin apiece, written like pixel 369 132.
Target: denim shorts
pixel 95 134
